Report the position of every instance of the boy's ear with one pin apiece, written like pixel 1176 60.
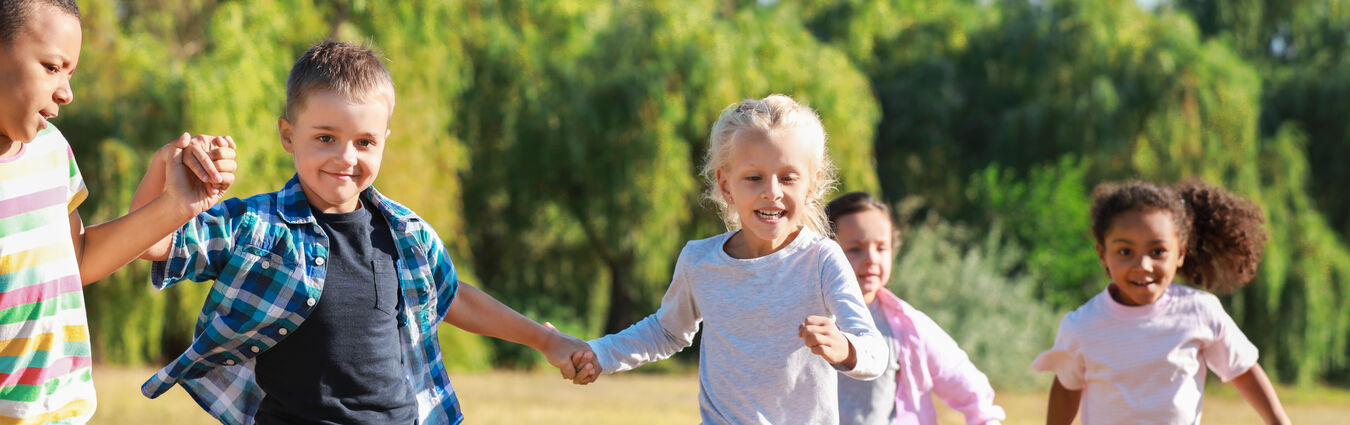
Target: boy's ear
pixel 285 129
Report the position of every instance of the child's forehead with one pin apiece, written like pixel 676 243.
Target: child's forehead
pixel 1158 222
pixel 752 143
pixel 329 97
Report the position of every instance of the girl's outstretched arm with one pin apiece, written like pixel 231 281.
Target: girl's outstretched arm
pixel 1063 404
pixel 1255 387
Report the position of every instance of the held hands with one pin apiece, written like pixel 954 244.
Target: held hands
pixel 825 340
pixel 568 354
pixel 207 158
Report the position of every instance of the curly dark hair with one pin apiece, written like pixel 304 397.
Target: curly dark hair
pixel 14 14
pixel 1221 232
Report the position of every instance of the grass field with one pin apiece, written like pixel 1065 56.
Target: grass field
pixel 528 398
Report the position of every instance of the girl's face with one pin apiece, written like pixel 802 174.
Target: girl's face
pixel 866 239
pixel 1142 252
pixel 35 69
pixel 766 181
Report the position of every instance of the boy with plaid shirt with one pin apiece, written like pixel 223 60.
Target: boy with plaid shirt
pixel 327 294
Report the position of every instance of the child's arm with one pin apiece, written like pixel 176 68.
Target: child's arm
pixel 1255 387
pixel 1063 406
pixel 218 156
pixel 475 311
pixel 851 341
pixel 102 249
pixel 956 380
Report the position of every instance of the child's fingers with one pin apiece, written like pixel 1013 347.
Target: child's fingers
pixel 182 142
pixel 203 159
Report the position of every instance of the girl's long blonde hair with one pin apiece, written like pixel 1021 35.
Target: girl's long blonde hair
pixel 773 113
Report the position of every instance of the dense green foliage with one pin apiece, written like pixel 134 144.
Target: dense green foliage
pixel 554 145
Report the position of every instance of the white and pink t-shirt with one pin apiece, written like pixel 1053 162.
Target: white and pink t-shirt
pixel 1146 364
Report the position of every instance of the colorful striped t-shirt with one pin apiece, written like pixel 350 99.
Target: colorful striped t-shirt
pixel 44 337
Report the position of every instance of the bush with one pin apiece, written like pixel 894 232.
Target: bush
pixel 967 284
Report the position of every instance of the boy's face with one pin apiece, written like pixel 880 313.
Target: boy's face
pixel 337 145
pixel 35 69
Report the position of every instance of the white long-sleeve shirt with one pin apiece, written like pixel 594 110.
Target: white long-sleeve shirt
pixel 753 367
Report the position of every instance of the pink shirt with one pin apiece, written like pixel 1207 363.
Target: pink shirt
pixel 930 361
pixel 1146 364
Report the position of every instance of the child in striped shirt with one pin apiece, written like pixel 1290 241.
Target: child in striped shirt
pixel 1137 352
pixel 46 252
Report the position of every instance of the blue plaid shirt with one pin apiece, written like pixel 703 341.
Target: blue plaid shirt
pixel 267 256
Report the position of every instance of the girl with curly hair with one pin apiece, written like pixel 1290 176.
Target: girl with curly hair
pixel 1137 352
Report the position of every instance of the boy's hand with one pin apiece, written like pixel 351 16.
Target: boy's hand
pixel 212 160
pixel 198 173
pixel 825 340
pixel 564 352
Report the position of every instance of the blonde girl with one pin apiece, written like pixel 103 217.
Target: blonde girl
pixel 781 310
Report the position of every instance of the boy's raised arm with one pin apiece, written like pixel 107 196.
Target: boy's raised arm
pixel 475 311
pixel 104 248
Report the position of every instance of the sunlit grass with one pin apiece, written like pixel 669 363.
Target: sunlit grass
pixel 526 398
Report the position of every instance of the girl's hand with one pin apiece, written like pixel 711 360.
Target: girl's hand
pixel 563 352
pixel 823 337
pixel 587 365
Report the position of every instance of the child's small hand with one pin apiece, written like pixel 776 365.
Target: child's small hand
pixel 587 365
pixel 563 353
pixel 825 340
pixel 198 170
pixel 212 160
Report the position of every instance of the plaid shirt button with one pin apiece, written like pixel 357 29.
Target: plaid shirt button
pixel 318 261
pixel 310 302
pixel 229 362
pixel 282 331
pixel 266 264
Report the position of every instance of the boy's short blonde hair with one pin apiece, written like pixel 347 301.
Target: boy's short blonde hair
pixel 773 113
pixel 352 71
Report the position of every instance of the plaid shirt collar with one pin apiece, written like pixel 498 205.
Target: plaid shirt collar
pixel 293 206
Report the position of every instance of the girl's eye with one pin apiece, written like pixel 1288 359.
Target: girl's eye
pixel 789 179
pixel 52 68
pixel 325 138
pixel 1124 252
pixel 1158 252
pixel 754 178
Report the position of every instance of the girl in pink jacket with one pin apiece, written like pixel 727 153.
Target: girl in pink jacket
pixel 924 359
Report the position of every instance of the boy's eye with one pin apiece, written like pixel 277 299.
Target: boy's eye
pixel 754 178
pixel 1124 252
pixel 365 142
pixel 789 179
pixel 325 138
pixel 52 68
pixel 1158 252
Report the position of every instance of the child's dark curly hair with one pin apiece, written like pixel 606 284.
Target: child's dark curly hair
pixel 1221 232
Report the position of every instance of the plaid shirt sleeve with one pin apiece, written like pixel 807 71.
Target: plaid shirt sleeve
pixel 202 246
pixel 443 272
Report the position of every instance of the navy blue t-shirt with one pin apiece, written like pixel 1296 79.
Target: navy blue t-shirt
pixel 344 364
